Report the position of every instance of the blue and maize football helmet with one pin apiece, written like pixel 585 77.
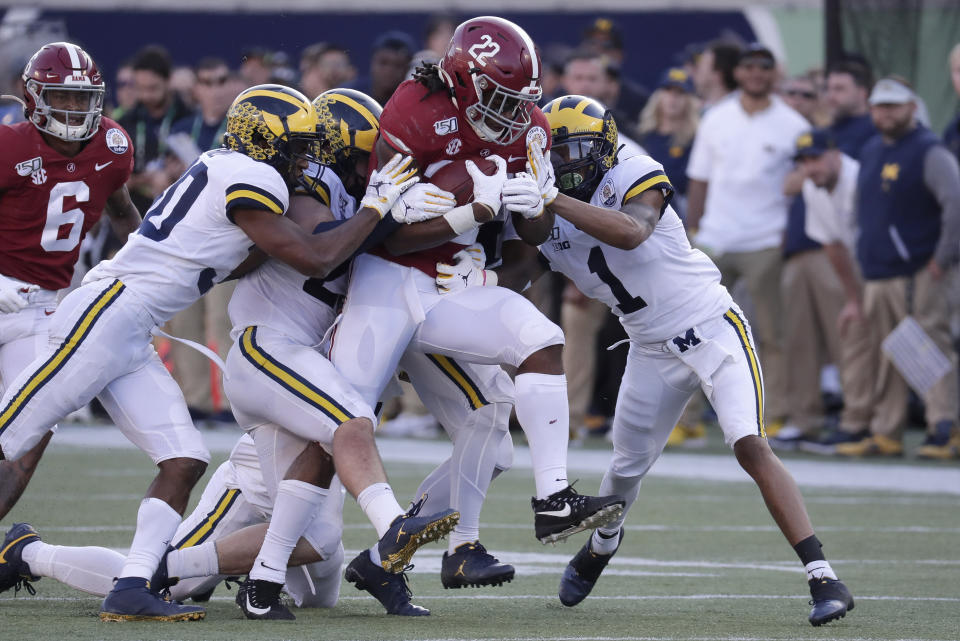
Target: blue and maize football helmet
pixel 584 143
pixel 348 122
pixel 273 124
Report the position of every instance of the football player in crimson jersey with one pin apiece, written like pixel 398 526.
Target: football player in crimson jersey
pixel 60 169
pixel 478 101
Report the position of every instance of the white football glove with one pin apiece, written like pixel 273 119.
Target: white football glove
pixel 464 272
pixel 540 167
pixel 387 183
pixel 476 254
pixel 11 300
pixel 487 189
pixel 422 202
pixel 521 195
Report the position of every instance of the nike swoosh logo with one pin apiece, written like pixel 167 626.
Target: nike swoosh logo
pixel 564 512
pixel 253 609
pixel 98 166
pixel 512 158
pixel 270 568
pixel 50 313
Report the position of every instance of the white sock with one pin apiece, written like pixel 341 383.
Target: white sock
pixel 374 553
pixel 602 544
pixel 544 414
pixel 295 507
pixel 156 524
pixel 380 505
pixel 819 570
pixel 91 569
pixel 194 561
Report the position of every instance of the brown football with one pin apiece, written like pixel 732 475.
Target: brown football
pixel 454 178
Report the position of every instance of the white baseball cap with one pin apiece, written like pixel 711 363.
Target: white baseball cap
pixel 889 91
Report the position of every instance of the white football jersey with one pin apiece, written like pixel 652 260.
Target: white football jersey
pixel 278 296
pixel 188 241
pixel 660 288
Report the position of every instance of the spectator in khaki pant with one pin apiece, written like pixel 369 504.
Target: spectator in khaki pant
pixel 829 191
pixel 811 294
pixel 741 156
pixel 908 209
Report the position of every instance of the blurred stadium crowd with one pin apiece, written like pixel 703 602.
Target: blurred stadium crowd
pixel 832 211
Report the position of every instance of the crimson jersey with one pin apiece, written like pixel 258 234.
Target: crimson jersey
pixel 431 130
pixel 48 202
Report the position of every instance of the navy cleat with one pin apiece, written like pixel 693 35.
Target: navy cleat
pixel 564 513
pixel 260 599
pixel 471 565
pixel 132 600
pixel 408 532
pixel 831 600
pixel 582 572
pixel 14 573
pixel 391 589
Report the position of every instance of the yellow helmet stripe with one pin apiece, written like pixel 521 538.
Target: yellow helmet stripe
pixel 363 111
pixel 276 94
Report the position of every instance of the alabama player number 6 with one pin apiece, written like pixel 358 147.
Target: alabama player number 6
pixel 50 239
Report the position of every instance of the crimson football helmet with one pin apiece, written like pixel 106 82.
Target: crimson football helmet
pixel 66 73
pixel 493 71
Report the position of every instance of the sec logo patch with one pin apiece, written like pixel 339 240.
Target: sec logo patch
pixel 117 141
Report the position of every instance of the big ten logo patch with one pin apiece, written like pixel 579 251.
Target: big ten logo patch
pixel 556 242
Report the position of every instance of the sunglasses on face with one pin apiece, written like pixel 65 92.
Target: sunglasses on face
pixel 799 93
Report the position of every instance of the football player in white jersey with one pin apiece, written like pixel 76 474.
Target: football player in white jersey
pixel 198 231
pixel 619 241
pixel 287 395
pixel 219 539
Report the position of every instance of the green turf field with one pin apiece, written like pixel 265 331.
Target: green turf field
pixel 700 561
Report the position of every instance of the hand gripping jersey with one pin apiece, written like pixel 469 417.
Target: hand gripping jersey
pixel 658 289
pixel 48 202
pixel 431 129
pixel 278 296
pixel 188 240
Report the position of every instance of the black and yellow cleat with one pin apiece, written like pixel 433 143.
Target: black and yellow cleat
pixel 471 565
pixel 14 573
pixel 831 600
pixel 132 600
pixel 408 532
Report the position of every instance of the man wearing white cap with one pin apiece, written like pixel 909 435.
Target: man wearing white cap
pixel 908 210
